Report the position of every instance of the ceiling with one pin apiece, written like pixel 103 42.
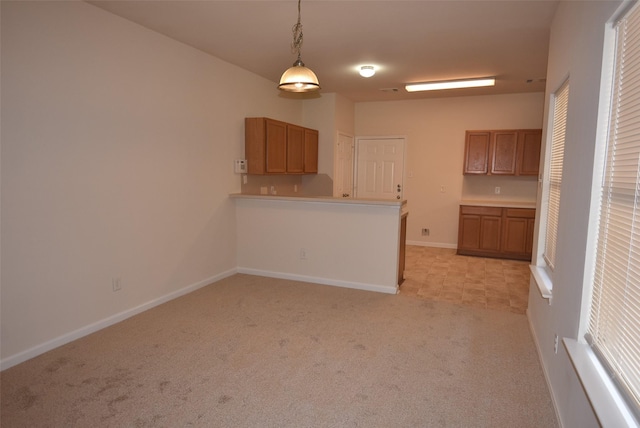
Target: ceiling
pixel 407 41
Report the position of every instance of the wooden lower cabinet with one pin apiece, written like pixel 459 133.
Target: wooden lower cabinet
pixel 496 232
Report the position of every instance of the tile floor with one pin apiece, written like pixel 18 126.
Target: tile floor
pixel 440 274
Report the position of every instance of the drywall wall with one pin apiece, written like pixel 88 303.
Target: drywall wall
pixel 117 159
pixel 344 243
pixel 576 51
pixel 435 132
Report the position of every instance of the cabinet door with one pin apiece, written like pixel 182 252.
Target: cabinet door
pixel 529 243
pixel 254 144
pixel 295 149
pixel 517 235
pixel 504 149
pixel 529 151
pixel 476 152
pixel 276 146
pixel 310 151
pixel 469 232
pixel 490 231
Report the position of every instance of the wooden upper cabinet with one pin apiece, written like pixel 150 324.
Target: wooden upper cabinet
pixel 502 152
pixel 504 148
pixel 310 151
pixel 529 143
pixel 295 149
pixel 476 152
pixel 275 147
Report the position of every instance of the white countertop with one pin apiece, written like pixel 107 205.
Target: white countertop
pixel 496 203
pixel 322 199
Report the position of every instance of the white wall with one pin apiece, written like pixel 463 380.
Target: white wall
pixel 576 49
pixel 435 131
pixel 347 244
pixel 117 150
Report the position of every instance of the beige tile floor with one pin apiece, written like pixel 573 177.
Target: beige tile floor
pixel 440 274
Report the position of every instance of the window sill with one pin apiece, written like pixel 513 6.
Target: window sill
pixel 608 404
pixel 542 280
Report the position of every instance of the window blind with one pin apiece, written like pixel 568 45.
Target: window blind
pixel 614 318
pixel 560 105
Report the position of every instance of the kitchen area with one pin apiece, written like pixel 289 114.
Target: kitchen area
pixel 292 228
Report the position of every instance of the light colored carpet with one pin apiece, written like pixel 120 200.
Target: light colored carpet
pixel 259 352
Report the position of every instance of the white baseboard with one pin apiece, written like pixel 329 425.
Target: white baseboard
pixel 323 281
pixel 432 244
pixel 544 369
pixel 92 328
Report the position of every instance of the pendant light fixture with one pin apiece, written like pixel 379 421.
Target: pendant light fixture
pixel 298 78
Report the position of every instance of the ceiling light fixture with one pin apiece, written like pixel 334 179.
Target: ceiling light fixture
pixel 298 78
pixel 367 70
pixel 451 84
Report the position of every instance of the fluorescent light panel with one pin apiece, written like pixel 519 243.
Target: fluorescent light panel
pixel 452 84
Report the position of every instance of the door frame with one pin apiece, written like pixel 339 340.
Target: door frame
pixel 380 137
pixel 335 162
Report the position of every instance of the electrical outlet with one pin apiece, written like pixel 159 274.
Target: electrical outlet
pixel 303 254
pixel 425 232
pixel 116 284
pixel 555 344
pixel 497 190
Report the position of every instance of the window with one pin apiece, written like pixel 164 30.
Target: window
pixel 545 261
pixel 554 173
pixel 614 318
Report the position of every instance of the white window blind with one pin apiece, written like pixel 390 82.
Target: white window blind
pixel 561 100
pixel 614 319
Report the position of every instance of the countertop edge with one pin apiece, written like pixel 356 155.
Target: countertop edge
pixel 503 204
pixel 321 199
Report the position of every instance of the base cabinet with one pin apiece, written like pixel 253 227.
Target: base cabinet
pixel 496 232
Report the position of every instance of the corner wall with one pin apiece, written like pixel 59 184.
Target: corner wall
pixel 117 159
pixel 576 51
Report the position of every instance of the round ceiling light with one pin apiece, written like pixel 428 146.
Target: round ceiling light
pixel 367 71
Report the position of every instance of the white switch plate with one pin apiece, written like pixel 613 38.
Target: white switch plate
pixel 240 166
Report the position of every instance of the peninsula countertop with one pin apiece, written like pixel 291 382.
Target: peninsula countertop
pixel 322 199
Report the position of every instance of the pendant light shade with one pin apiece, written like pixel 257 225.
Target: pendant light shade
pixel 298 78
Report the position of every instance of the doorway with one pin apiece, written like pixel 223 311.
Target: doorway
pixel 379 168
pixel 343 166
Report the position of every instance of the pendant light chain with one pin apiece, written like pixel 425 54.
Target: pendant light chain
pixel 297 35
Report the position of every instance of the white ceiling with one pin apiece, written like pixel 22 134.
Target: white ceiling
pixel 408 41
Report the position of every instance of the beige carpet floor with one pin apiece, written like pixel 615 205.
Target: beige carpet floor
pixel 259 352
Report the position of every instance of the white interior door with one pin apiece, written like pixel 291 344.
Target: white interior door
pixel 343 174
pixel 379 167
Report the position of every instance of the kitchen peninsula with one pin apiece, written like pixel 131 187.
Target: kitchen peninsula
pixel 354 243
